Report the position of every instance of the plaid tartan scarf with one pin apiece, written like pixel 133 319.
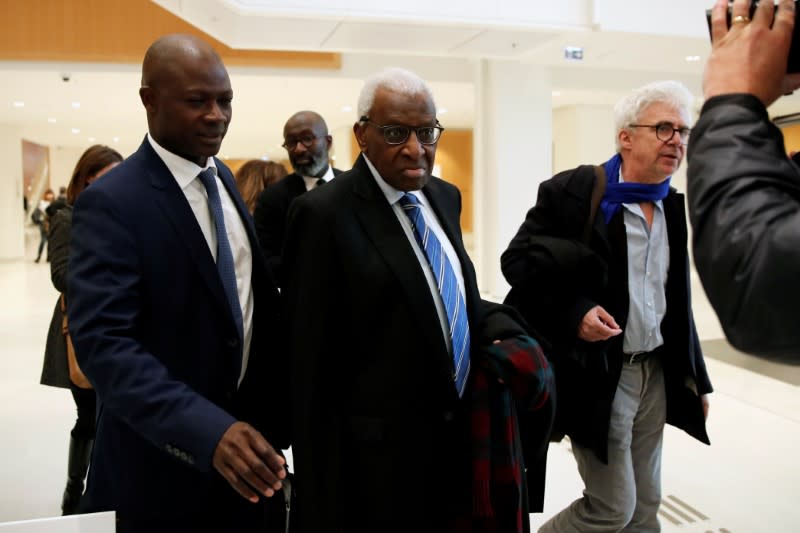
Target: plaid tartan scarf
pixel 507 376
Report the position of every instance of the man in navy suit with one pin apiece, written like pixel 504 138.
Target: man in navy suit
pixel 175 318
pixel 307 142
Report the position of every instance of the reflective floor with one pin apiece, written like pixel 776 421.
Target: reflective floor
pixel 746 482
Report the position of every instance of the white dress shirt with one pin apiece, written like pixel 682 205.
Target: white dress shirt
pixel 185 173
pixel 312 181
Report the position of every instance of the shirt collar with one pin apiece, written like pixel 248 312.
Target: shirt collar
pixel 392 194
pixel 328 176
pixel 183 170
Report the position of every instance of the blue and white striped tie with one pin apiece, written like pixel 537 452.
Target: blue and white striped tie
pixel 447 284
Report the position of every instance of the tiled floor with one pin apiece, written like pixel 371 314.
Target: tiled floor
pixel 748 481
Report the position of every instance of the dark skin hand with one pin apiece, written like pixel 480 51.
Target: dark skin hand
pixel 248 462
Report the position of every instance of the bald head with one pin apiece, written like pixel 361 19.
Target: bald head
pixel 171 51
pixel 307 142
pixel 308 117
pixel 187 95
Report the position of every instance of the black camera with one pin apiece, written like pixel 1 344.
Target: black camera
pixel 793 66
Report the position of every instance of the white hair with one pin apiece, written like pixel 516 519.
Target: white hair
pixel 396 80
pixel 672 93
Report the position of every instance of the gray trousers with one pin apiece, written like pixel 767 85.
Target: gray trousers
pixel 623 495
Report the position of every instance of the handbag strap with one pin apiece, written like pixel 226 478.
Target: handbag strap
pixel 63 306
pixel 598 190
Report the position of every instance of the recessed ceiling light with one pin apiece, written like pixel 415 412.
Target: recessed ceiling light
pixel 19 103
pixel 346 109
pixel 692 59
pixel 442 111
pixel 51 120
pixel 76 105
pixel 556 93
pixel 91 139
pixel 75 130
pixel 116 139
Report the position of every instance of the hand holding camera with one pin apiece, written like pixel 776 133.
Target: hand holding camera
pixel 750 53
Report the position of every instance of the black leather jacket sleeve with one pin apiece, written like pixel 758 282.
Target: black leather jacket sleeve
pixel 744 206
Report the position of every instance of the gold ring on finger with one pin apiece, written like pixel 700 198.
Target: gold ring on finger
pixel 741 19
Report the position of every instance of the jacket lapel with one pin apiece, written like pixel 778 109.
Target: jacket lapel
pixel 674 214
pixel 387 236
pixel 295 184
pixel 176 209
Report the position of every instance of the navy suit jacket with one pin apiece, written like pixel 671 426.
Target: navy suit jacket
pixel 155 335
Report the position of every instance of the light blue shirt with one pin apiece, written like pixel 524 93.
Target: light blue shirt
pixel 648 264
pixel 393 196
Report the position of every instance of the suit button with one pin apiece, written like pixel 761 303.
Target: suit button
pixel 448 416
pixel 233 342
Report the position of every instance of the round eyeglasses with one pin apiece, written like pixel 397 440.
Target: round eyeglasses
pixel 665 131
pixel 397 134
pixel 305 140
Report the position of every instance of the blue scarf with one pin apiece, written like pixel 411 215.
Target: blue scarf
pixel 627 193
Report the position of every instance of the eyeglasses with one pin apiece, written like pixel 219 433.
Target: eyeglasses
pixel 665 131
pixel 396 134
pixel 306 140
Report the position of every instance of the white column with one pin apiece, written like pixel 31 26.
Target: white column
pixel 582 135
pixel 513 155
pixel 12 217
pixel 342 145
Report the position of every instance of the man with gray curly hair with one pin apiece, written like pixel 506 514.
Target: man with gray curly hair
pixel 605 247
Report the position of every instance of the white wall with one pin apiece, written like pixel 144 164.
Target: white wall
pixel 12 217
pixel 582 135
pixel 342 145
pixel 513 136
pixel 62 163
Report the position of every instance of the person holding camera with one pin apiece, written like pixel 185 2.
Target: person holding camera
pixel 743 190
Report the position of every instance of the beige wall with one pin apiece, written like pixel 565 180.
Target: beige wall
pixel 117 31
pixel 62 163
pixel 791 137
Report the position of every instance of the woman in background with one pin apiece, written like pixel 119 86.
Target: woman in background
pixel 39 217
pixel 254 176
pixel 60 368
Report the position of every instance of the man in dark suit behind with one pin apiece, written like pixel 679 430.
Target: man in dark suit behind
pixel 381 432
pixel 306 139
pixel 184 353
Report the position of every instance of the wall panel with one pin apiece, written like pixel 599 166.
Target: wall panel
pixel 116 31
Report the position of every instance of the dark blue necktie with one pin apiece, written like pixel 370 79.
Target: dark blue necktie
pixel 227 271
pixel 447 283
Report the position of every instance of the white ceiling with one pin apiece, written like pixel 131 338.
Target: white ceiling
pixel 443 53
